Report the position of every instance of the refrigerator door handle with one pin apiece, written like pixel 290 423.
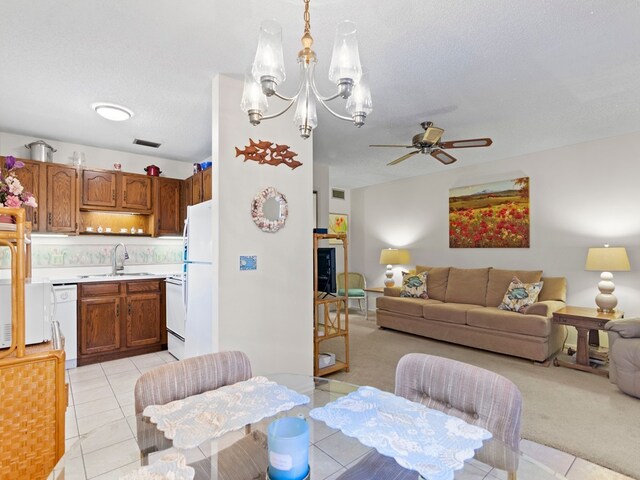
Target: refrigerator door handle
pixel 184 293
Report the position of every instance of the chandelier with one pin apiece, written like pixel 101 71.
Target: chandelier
pixel 267 73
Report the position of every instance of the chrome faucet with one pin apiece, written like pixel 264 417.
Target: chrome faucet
pixel 115 268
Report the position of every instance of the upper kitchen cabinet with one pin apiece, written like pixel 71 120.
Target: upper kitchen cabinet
pixel 136 192
pixel 207 184
pixel 29 177
pixel 167 211
pixel 98 189
pixel 115 191
pixel 61 199
pixel 196 188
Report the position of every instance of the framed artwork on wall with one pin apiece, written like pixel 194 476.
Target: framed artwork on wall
pixel 338 223
pixel 490 215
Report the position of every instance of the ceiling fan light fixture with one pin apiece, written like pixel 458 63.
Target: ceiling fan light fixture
pixel 111 111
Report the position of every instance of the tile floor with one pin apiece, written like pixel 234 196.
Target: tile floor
pixel 103 393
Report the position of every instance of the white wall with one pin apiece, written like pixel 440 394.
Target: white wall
pixel 321 185
pixel 12 144
pixel 267 313
pixel 582 196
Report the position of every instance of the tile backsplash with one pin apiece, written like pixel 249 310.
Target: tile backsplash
pixel 56 256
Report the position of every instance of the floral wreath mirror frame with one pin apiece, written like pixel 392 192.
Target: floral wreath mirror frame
pixel 257 210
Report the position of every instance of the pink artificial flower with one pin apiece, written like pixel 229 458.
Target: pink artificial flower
pixel 13 202
pixel 31 201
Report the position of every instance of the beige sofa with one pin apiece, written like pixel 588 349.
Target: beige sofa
pixel 463 308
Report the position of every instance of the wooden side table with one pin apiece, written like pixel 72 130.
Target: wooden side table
pixel 587 321
pixel 374 289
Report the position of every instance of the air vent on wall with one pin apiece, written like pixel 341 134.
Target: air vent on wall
pixel 335 193
pixel 146 143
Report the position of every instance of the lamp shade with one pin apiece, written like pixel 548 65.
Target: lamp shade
pixel 394 256
pixel 607 259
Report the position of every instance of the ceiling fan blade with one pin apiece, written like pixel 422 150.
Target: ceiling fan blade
pixel 443 157
pixel 403 146
pixel 403 158
pixel 475 142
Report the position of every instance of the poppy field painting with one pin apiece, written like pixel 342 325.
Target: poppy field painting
pixel 490 215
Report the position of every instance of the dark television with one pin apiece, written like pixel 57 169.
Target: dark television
pixel 327 270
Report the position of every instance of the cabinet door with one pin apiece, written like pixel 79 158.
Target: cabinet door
pixel 196 188
pixel 99 325
pixel 61 199
pixel 207 184
pixel 143 320
pixel 29 177
pixel 136 192
pixel 167 207
pixel 98 189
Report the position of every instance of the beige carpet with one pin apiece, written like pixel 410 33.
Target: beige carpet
pixel 576 412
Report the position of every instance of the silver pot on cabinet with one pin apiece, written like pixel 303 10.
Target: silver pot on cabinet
pixel 41 151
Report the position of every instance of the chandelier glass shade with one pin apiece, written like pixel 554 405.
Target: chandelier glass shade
pixel 268 72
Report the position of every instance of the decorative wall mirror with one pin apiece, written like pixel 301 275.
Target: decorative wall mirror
pixel 269 210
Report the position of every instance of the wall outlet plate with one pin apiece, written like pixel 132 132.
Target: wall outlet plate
pixel 248 262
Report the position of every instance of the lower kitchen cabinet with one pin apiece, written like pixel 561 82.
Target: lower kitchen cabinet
pixel 120 319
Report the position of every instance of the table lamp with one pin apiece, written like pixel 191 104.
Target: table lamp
pixel 606 260
pixel 390 257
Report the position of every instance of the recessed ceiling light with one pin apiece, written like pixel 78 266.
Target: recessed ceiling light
pixel 111 111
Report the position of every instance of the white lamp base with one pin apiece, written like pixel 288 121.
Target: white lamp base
pixel 606 300
pixel 389 274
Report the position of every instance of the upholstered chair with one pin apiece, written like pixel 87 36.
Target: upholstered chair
pixel 178 380
pixel 478 396
pixel 624 354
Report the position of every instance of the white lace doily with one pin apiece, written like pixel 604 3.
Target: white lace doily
pixel 172 466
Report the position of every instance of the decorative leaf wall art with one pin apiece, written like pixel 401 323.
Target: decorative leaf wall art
pixel 264 151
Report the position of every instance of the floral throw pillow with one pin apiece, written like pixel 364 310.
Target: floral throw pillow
pixel 520 295
pixel 414 285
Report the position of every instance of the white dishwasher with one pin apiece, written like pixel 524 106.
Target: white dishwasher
pixel 65 299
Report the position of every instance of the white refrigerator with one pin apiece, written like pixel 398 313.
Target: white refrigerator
pixel 198 275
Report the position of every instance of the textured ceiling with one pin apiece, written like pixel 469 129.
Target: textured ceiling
pixel 531 74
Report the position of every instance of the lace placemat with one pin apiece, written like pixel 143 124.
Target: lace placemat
pixel 172 466
pixel 191 421
pixel 428 441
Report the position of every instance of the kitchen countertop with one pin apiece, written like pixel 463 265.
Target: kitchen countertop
pixel 108 278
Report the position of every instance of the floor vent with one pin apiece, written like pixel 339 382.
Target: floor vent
pixel 335 193
pixel 146 143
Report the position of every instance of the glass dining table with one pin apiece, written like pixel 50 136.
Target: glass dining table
pixel 118 449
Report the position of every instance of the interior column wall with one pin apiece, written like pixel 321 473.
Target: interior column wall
pixel 267 312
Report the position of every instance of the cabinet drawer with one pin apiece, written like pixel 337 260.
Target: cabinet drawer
pixel 99 289
pixel 143 286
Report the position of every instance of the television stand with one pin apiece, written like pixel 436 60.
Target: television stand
pixel 330 312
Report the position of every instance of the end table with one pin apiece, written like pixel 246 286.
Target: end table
pixel 587 321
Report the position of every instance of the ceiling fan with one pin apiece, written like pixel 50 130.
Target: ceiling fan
pixel 429 142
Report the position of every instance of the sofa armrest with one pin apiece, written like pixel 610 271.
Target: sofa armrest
pixel 544 308
pixel 629 328
pixel 392 291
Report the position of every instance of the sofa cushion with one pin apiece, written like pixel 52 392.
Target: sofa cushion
pixel 495 319
pixel 520 295
pixel 554 288
pixel 436 281
pixel 414 285
pixel 405 306
pixel 448 312
pixel 467 285
pixel 499 281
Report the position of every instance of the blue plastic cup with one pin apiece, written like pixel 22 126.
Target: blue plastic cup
pixel 288 447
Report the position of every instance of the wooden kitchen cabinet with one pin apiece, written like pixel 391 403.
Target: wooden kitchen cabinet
pixel 168 214
pixel 207 185
pixel 120 319
pixel 29 177
pixel 61 199
pixel 196 188
pixel 135 192
pixel 98 189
